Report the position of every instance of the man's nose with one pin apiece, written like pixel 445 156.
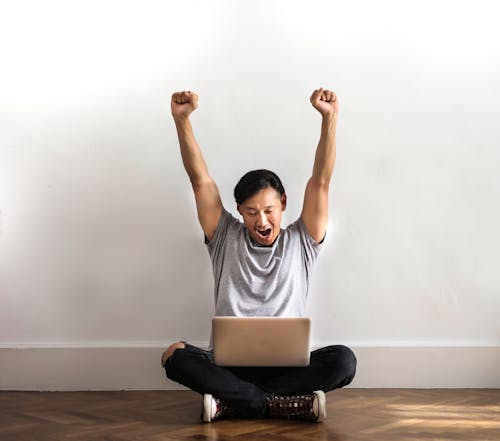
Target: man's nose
pixel 262 219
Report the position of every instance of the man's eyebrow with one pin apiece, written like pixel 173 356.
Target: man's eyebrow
pixel 247 207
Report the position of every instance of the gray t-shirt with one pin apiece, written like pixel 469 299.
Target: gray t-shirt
pixel 255 280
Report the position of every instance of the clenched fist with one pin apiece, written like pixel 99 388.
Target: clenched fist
pixel 325 102
pixel 183 103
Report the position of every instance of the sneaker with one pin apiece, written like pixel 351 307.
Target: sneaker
pixel 309 407
pixel 212 408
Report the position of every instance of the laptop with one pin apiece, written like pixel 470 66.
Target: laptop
pixel 261 341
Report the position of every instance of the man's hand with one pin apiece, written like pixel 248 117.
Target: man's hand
pixel 325 102
pixel 183 103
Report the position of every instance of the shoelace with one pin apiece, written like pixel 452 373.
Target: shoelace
pixel 291 406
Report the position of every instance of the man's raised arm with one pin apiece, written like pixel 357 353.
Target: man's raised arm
pixel 208 201
pixel 315 207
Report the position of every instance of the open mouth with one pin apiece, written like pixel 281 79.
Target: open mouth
pixel 264 234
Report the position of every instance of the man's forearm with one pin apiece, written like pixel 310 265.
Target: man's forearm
pixel 192 157
pixel 324 160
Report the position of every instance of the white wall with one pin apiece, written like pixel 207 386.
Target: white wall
pixel 99 240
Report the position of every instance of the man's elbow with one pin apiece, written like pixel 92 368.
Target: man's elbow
pixel 320 181
pixel 201 181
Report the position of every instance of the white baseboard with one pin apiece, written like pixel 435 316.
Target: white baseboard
pixel 84 367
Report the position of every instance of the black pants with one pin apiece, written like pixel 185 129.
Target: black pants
pixel 246 388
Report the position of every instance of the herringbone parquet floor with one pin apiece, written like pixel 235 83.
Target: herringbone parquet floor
pixel 353 415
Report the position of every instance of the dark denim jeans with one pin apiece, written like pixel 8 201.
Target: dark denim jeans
pixel 247 388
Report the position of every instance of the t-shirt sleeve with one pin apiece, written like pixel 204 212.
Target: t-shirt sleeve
pixel 215 246
pixel 310 247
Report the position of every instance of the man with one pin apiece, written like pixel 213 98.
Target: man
pixel 260 270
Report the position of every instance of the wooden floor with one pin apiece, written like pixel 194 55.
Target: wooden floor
pixel 353 414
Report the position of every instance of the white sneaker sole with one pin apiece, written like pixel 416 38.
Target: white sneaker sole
pixel 320 395
pixel 207 407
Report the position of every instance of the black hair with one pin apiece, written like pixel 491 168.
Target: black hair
pixel 254 181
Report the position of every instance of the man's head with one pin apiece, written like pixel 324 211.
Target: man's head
pixel 261 199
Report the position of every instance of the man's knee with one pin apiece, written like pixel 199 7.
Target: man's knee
pixel 348 356
pixel 344 360
pixel 170 350
pixel 349 362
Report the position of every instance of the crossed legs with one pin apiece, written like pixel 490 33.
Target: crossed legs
pixel 330 367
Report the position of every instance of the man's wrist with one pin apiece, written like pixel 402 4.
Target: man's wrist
pixel 181 119
pixel 330 118
pixel 329 123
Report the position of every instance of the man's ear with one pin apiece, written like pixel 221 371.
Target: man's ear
pixel 238 208
pixel 283 202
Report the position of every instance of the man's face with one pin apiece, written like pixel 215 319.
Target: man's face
pixel 262 215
